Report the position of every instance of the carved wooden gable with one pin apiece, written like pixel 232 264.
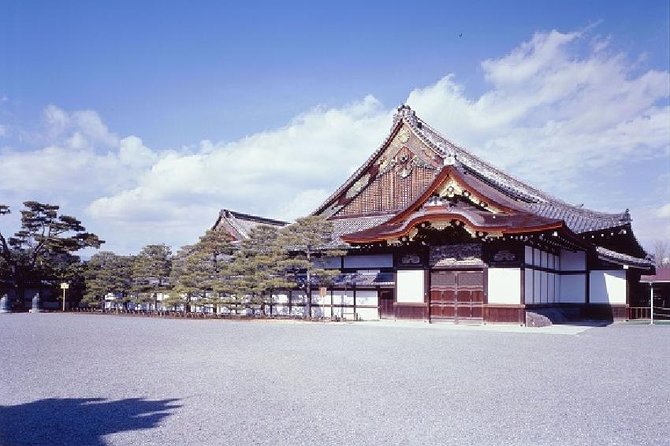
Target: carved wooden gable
pixel 396 179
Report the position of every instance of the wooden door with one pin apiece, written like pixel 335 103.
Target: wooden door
pixel 386 304
pixel 456 295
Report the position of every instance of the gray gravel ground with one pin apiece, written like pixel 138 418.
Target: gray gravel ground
pixel 74 379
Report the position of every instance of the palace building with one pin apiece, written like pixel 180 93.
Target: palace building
pixel 433 232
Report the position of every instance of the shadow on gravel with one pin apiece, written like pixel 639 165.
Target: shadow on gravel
pixel 78 421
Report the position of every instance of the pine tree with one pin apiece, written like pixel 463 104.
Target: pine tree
pixel 45 240
pixel 308 240
pixel 199 270
pixel 257 266
pixel 107 273
pixel 151 272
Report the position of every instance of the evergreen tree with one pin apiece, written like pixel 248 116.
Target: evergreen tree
pixel 44 239
pixel 189 277
pixel 151 272
pixel 308 240
pixel 200 270
pixel 257 266
pixel 107 273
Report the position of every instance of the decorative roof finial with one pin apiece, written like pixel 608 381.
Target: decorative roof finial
pixel 404 111
pixel 450 158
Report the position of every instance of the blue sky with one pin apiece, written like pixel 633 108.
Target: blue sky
pixel 144 118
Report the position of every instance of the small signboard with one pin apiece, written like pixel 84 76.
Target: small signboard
pixel 322 291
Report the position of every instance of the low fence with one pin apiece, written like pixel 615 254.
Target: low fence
pixel 645 313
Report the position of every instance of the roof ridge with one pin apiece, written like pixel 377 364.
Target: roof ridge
pixel 544 196
pixel 251 217
pixel 477 160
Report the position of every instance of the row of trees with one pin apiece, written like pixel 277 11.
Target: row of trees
pixel 214 270
pixel 41 255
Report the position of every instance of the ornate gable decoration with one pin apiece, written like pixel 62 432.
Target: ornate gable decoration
pixel 451 189
pixel 401 159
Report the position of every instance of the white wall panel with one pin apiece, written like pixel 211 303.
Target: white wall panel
pixel 537 287
pixel 410 286
pixel 528 254
pixel 366 297
pixel 318 300
pixel 369 261
pixel 573 288
pixel 607 287
pixel 368 314
pixel 280 298
pixel 528 286
pixel 504 285
pixel 341 297
pixel 280 310
pixel 536 257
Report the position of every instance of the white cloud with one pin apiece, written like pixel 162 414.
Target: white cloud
pixel 557 113
pixel 263 172
pixel 664 211
pixel 551 115
pixel 77 130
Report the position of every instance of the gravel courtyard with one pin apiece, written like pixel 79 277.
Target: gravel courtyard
pixel 76 379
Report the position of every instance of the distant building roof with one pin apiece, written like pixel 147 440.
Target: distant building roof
pixel 238 225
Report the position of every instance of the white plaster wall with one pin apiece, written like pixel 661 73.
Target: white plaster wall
pixel 298 311
pixel 280 298
pixel 504 286
pixel 318 300
pixel 536 257
pixel 573 261
pixel 341 297
pixel 319 311
pixel 366 297
pixel 410 286
pixel 368 314
pixel 298 298
pixel 552 287
pixel 528 255
pixel 537 287
pixel 573 288
pixel 607 287
pixel 369 261
pixel 528 286
pixel 280 309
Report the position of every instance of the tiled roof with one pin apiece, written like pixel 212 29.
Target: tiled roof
pixel 578 219
pixel 623 259
pixel 363 279
pixel 242 224
pixel 342 226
